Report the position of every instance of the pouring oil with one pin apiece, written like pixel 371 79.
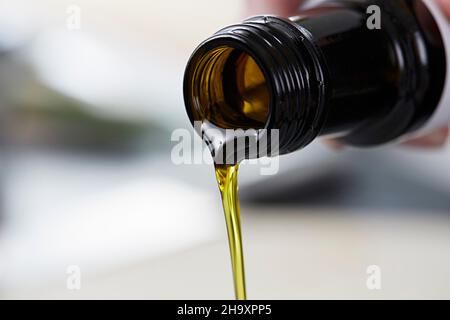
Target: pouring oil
pixel 227 179
pixel 239 91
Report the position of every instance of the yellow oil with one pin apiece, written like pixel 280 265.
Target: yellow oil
pixel 251 89
pixel 227 179
pixel 229 90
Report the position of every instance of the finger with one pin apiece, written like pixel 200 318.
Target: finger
pixel 433 140
pixel 284 8
pixel 445 5
pixel 334 144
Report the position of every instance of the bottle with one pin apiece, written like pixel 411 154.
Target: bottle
pixel 326 72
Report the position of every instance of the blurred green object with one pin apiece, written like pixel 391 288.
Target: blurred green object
pixel 33 114
pixel 64 121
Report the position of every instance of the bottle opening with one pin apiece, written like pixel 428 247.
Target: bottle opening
pixel 229 89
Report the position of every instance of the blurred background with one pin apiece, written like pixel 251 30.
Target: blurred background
pixel 90 92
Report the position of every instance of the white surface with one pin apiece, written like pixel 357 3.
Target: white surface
pixel 62 209
pixel 291 254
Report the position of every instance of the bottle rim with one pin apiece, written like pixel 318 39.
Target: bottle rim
pixel 292 66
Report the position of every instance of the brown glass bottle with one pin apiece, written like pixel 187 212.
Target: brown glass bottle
pixel 323 72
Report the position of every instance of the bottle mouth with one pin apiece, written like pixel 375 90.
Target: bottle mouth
pixel 227 87
pixel 264 74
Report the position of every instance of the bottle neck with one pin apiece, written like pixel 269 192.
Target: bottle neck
pixel 291 65
pixel 384 82
pixel 325 73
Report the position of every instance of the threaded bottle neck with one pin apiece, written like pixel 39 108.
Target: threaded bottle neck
pixel 292 69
